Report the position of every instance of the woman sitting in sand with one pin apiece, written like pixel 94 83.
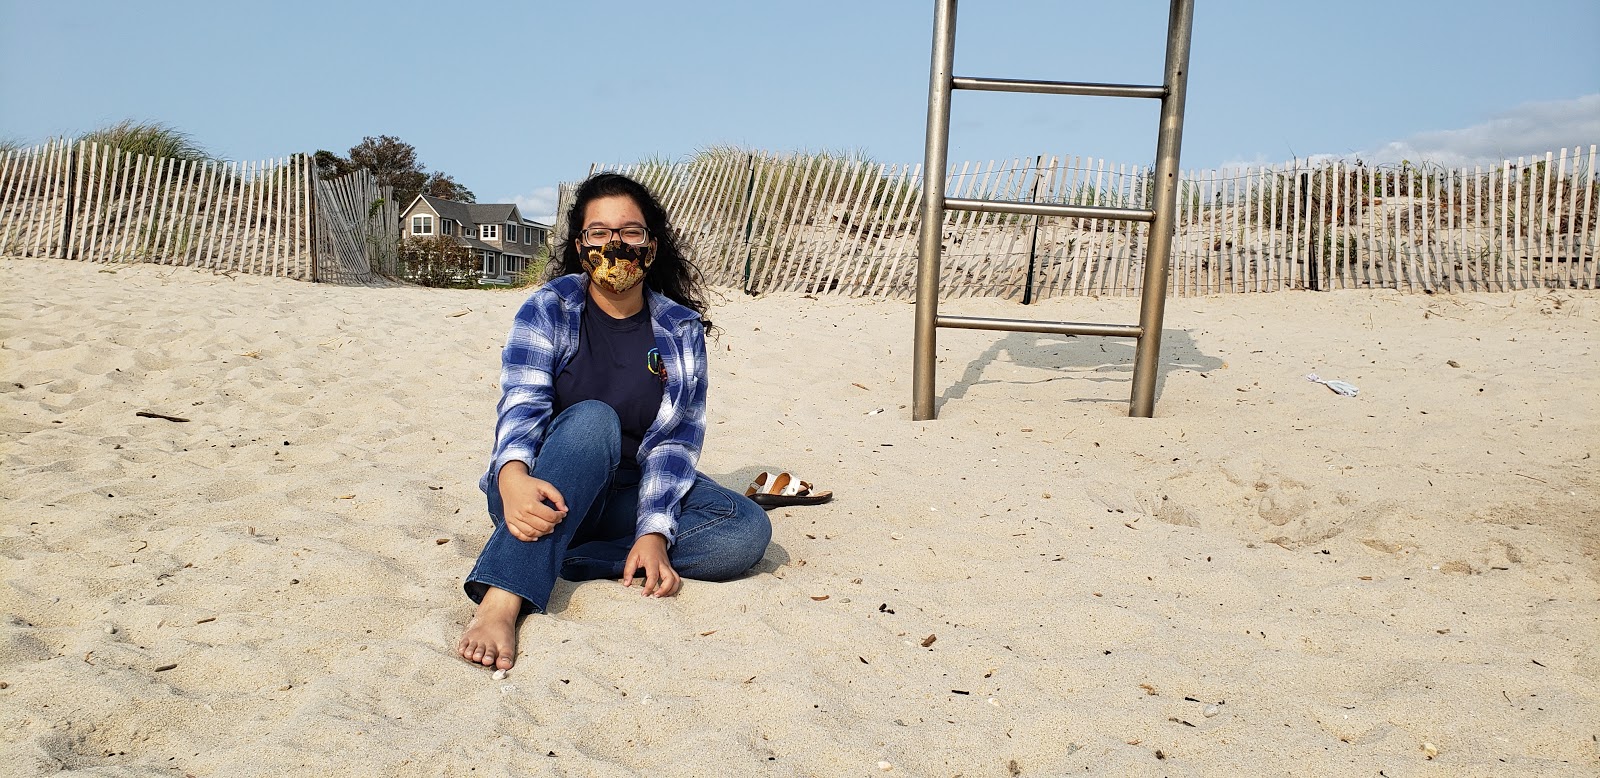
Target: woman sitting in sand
pixel 601 417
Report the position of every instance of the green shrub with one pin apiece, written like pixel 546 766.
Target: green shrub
pixel 437 261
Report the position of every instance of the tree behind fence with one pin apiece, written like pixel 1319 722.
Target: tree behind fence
pixel 821 223
pixel 92 202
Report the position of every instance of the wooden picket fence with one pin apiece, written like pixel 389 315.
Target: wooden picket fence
pixel 356 228
pixel 91 202
pixel 821 223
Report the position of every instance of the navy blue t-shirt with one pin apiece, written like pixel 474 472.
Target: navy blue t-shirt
pixel 617 363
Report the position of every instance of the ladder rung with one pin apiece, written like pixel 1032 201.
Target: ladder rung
pixel 1049 209
pixel 1057 87
pixel 1052 327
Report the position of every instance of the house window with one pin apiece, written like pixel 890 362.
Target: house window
pixel 527 235
pixel 447 226
pixel 491 264
pixel 489 231
pixel 515 264
pixel 511 233
pixel 422 224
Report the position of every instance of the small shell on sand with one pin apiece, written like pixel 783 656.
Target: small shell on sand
pixel 1430 750
pixel 500 675
pixel 885 766
pixel 1211 710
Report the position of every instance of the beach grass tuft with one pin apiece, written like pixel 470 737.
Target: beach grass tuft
pixel 150 139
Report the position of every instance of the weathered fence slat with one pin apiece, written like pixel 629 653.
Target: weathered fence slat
pixel 23 201
pixel 1583 219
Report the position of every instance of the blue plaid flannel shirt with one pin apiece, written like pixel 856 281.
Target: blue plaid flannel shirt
pixel 544 338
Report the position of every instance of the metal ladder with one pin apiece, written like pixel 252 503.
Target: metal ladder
pixel 1152 305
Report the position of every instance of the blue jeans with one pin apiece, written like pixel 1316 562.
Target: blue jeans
pixel 721 533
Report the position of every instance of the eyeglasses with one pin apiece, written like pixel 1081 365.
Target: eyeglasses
pixel 600 236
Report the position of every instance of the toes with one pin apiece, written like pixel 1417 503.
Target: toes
pixel 487 650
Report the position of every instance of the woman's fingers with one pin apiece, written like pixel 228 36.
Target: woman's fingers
pixel 519 529
pixel 532 520
pixel 548 491
pixel 527 527
pixel 629 567
pixel 669 582
pixel 660 580
pixel 649 556
pixel 525 496
pixel 537 510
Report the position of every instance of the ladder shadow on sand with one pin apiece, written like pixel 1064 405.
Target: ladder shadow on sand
pixel 1086 358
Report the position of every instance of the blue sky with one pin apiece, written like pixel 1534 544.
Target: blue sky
pixel 512 97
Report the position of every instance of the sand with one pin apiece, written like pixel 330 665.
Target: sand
pixel 1033 584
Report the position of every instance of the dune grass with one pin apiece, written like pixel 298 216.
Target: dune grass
pixel 151 139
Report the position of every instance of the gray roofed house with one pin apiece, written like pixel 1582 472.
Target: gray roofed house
pixel 503 239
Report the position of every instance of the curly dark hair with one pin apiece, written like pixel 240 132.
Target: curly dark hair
pixel 672 273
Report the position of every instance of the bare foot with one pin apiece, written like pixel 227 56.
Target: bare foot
pixel 491 637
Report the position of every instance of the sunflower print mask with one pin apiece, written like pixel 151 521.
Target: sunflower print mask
pixel 617 266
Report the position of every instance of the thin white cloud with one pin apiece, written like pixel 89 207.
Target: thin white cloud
pixel 1261 161
pixel 539 205
pixel 1527 130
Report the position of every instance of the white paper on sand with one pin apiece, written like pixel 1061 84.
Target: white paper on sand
pixel 1343 388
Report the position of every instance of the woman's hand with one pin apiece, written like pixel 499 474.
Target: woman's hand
pixel 523 498
pixel 649 555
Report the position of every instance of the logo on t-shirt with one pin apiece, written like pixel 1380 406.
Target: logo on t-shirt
pixel 653 363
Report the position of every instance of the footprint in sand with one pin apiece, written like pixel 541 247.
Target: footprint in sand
pixel 1282 501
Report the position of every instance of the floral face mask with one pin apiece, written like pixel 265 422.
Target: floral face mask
pixel 617 266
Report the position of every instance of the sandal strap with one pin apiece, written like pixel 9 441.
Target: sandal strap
pixel 781 484
pixel 759 485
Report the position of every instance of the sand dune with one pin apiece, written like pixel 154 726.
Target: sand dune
pixel 1033 584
